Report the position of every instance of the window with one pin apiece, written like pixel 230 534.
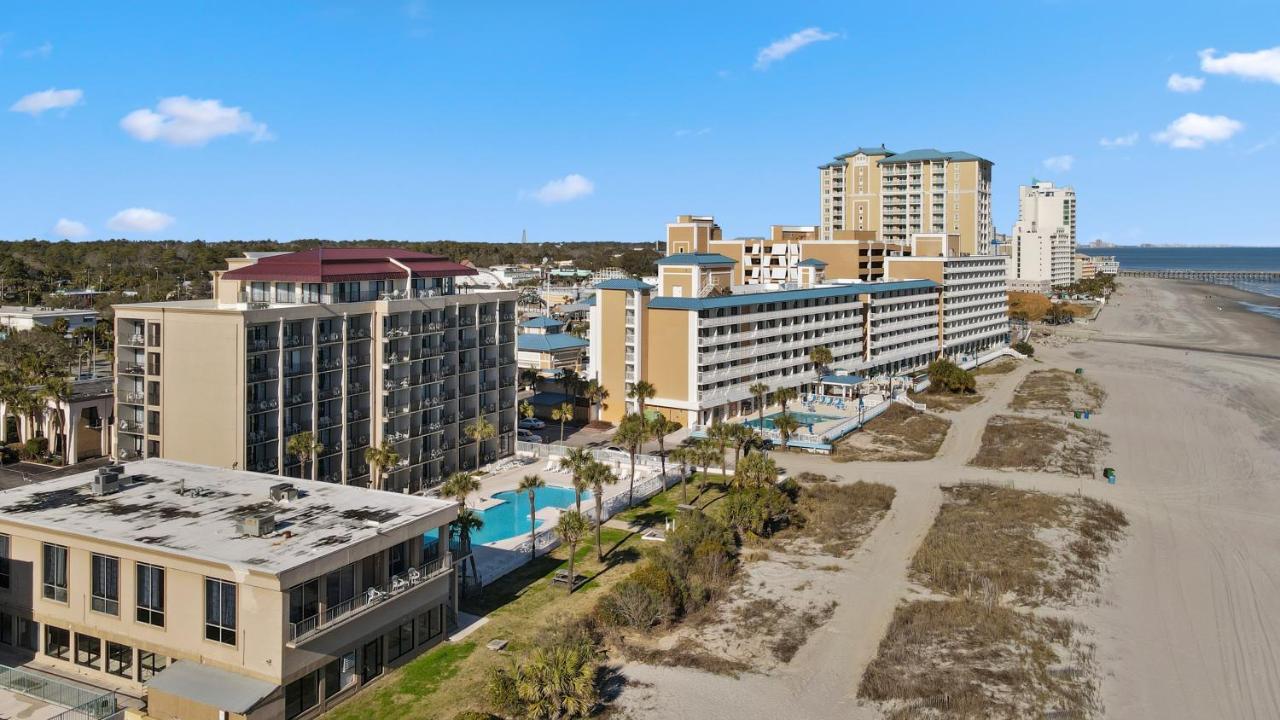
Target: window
pixel 149 664
pixel 119 659
pixel 153 392
pixel 55 572
pixel 4 562
pixel 397 559
pixel 88 651
pixel 400 640
pixel 304 601
pixel 28 631
pixel 153 334
pixel 220 611
pixel 301 695
pixel 258 292
pixel 371 665
pixel 284 292
pixel 339 587
pixel 430 624
pixel 150 585
pixel 6 628
pixel 153 422
pixel 106 584
pixel 57 642
pixel 339 674
pixel 311 292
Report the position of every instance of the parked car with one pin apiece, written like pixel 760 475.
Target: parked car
pixel 528 436
pixel 532 424
pixel 615 448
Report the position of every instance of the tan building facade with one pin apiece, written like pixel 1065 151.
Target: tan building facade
pixel 357 346
pixel 166 579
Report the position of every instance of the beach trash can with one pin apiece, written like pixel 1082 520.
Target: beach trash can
pixel 1086 414
pixel 1079 371
pixel 1077 413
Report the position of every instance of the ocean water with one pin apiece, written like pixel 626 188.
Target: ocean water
pixel 1241 258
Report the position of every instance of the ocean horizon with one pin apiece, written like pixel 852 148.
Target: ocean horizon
pixel 1205 258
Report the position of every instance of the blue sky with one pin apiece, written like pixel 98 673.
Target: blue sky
pixel 603 120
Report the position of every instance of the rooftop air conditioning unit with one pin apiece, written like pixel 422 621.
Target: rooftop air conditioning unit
pixel 105 482
pixel 283 492
pixel 257 524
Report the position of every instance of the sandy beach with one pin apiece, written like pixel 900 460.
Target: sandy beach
pixel 1187 621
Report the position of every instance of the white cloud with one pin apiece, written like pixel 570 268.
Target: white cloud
pixel 188 121
pixel 1260 65
pixel 569 187
pixel 1192 131
pixel 1120 141
pixel 686 132
pixel 43 51
pixel 140 220
pixel 779 49
pixel 69 229
pixel 1060 163
pixel 1185 83
pixel 51 99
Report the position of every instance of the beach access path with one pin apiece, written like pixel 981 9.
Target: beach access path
pixel 1188 620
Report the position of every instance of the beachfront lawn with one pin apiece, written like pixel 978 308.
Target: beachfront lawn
pixel 451 678
pixel 703 490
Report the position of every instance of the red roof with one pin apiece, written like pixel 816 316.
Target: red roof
pixel 324 265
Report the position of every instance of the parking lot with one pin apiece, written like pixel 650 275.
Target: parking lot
pixel 24 473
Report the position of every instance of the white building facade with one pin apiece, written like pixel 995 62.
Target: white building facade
pixel 1043 250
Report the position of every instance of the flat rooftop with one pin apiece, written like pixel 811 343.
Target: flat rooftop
pixel 40 311
pixel 191 510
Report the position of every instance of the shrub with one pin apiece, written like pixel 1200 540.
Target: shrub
pixel 475 715
pixel 1024 347
pixel 34 448
pixel 757 511
pixel 558 679
pixel 946 376
pixel 631 604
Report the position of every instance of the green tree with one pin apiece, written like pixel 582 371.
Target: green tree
pixel 786 425
pixel 946 376
pixel 531 484
pixel 598 475
pixel 575 461
pixel 305 446
pixel 554 683
pixel 459 486
pixel 755 470
pixel 529 378
pixel 720 434
pixel 480 430
pixel 562 413
pixel 596 394
pixel 641 391
pixel 631 435
pixel 821 358
pixel 784 396
pixel 526 409
pixel 570 528
pixel 379 458
pixel 760 392
pixel 684 455
pixel 659 428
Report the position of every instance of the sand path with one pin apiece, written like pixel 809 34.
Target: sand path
pixel 1188 623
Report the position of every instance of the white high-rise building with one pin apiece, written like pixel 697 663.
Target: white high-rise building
pixel 1044 238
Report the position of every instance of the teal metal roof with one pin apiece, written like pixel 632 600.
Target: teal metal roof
pixel 811 262
pixel 866 151
pixel 555 342
pixel 696 259
pixel 872 288
pixel 927 154
pixel 541 321
pixel 623 284
pixel 842 379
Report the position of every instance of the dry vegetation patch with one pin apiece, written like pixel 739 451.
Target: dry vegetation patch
pixel 1003 366
pixel 1040 548
pixel 966 659
pixel 836 518
pixel 977 647
pixel 1010 442
pixel 900 433
pixel 1057 390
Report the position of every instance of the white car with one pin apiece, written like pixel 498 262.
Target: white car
pixel 531 424
pixel 528 436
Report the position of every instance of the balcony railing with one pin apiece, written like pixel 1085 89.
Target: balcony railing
pixel 397 586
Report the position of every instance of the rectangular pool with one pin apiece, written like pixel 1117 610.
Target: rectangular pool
pixel 511 518
pixel 804 418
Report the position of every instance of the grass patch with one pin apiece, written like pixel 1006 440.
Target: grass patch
pixel 987 541
pixel 418 680
pixel 1010 442
pixel 1003 366
pixel 964 659
pixel 703 490
pixel 1057 390
pixel 900 433
pixel 686 653
pixel 836 518
pixel 951 402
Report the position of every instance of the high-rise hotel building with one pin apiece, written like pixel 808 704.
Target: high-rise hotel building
pixel 1044 238
pixel 356 345
pixel 875 193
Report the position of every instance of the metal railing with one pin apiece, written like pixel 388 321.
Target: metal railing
pixel 372 597
pixel 83 703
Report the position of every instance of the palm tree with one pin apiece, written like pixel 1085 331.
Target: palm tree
pixel 526 409
pixel 721 435
pixel 683 455
pixel 562 413
pixel 571 381
pixel 740 436
pixel 756 469
pixel 458 486
pixel 631 435
pixel 784 396
pixel 576 461
pixel 760 391
pixel 596 394
pixel 378 459
pixel 557 682
pixel 58 389
pixel 305 446
pixel 570 528
pixel 659 428
pixel 786 425
pixel 480 430
pixel 530 484
pixel 529 378
pixel 599 475
pixel 468 522
pixel 640 391
pixel 704 454
pixel 821 358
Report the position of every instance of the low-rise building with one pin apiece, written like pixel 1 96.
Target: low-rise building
pixel 13 317
pixel 543 345
pixel 221 593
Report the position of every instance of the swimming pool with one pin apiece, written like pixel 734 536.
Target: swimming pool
pixel 805 418
pixel 511 518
